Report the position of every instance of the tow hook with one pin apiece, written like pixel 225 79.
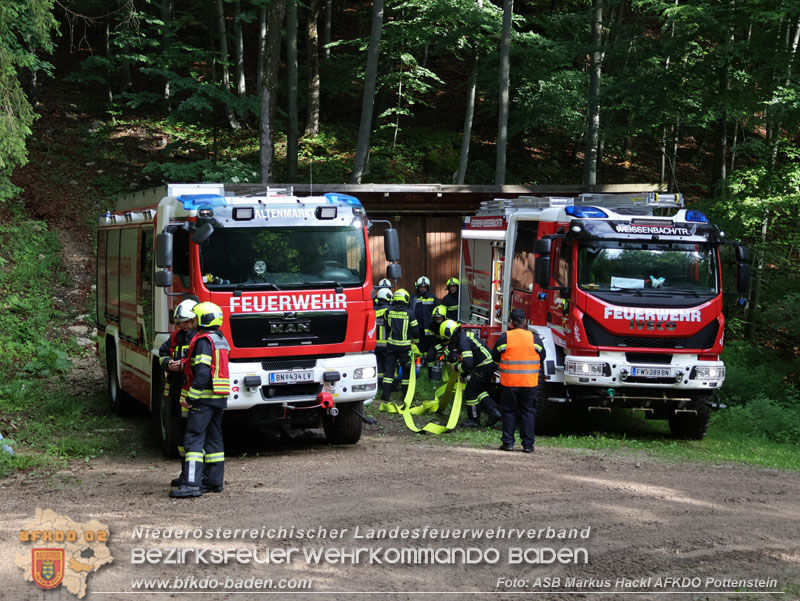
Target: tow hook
pixel 367 420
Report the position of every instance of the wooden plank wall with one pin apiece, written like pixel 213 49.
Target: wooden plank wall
pixel 428 246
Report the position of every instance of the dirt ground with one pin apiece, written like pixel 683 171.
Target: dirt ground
pixel 648 519
pixel 639 520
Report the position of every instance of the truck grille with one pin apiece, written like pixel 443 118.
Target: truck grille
pixel 297 329
pixel 599 336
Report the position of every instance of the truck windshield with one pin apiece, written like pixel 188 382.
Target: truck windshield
pixel 676 268
pixel 284 258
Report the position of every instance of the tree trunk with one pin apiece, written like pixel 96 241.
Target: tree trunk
pixel 312 116
pixel 262 47
pixel 326 30
pixel 272 56
pixel 241 89
pixel 502 120
pixel 291 66
pixel 166 41
pixel 223 61
pixel 593 104
pixel 466 136
pixel 370 82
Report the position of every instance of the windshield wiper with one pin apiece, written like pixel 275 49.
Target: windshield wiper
pixel 320 283
pixel 258 285
pixel 683 291
pixel 636 290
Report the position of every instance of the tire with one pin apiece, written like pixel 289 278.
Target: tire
pixel 118 399
pixel 549 418
pixel 166 419
pixel 346 427
pixel 691 426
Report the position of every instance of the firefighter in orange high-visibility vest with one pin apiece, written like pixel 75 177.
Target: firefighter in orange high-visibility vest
pixel 518 358
pixel 170 354
pixel 206 394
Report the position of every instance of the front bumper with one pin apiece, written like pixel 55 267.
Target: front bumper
pixel 613 370
pixel 251 385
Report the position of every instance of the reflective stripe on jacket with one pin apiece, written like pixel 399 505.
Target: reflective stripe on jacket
pixel 218 383
pixel 519 361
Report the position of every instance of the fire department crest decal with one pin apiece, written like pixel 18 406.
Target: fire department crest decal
pixel 59 552
pixel 48 567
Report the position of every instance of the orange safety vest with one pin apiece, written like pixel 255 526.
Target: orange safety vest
pixel 519 362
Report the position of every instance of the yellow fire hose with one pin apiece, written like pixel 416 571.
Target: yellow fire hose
pixel 451 392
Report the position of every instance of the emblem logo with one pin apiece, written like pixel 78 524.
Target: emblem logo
pixel 48 567
pixel 292 327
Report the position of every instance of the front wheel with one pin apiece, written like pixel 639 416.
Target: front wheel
pixel 346 427
pixel 691 426
pixel 118 399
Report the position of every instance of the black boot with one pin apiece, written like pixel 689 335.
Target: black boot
pixel 494 417
pixel 186 492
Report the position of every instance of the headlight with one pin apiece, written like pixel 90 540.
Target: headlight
pixel 708 373
pixel 364 373
pixel 587 368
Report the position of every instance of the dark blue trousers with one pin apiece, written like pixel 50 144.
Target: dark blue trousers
pixel 517 405
pixel 205 451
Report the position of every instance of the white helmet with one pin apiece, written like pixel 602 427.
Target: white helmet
pixel 385 294
pixel 422 281
pixel 183 312
pixel 385 283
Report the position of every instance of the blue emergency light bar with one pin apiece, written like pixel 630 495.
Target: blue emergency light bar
pixel 342 198
pixel 697 216
pixel 582 212
pixel 192 202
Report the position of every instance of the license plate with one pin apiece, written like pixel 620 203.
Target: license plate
pixel 652 372
pixel 291 377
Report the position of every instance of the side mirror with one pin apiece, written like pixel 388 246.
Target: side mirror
pixel 541 270
pixel 163 279
pixel 394 272
pixel 164 250
pixel 543 246
pixel 742 277
pixel 202 233
pixel 391 244
pixel 742 253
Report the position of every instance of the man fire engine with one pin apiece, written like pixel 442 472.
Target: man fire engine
pixel 292 276
pixel 627 303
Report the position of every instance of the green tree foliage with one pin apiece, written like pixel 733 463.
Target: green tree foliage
pixel 25 28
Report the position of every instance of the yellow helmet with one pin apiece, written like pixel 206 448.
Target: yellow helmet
pixel 401 296
pixel 439 311
pixel 447 329
pixel 209 315
pixel 452 282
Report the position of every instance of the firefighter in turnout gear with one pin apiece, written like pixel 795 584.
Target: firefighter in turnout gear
pixel 383 302
pixel 450 300
pixel 518 358
pixel 403 330
pixel 206 395
pixel 171 353
pixel 473 359
pixel 439 346
pixel 422 304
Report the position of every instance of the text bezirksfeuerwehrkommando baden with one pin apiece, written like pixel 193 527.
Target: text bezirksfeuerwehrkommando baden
pixel 360 533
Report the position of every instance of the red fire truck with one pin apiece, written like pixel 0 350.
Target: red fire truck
pixel 292 275
pixel 627 303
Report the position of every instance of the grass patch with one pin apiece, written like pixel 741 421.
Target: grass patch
pixel 750 435
pixel 44 421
